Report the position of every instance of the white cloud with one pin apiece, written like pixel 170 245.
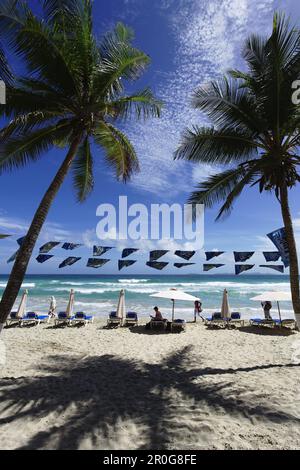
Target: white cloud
pixel 208 39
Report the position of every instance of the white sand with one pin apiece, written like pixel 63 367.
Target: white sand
pixel 92 388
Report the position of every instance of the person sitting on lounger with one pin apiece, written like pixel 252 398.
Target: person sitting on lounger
pixel 267 306
pixel 158 316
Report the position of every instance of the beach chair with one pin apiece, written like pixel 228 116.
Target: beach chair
pixel 158 324
pixel 236 319
pixel 114 320
pixel 33 318
pixel 131 319
pixel 65 318
pixel 216 320
pixel 82 318
pixel 264 322
pixel 274 323
pixel 178 326
pixel 15 317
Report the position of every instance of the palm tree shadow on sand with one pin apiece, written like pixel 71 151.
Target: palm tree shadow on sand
pixel 87 392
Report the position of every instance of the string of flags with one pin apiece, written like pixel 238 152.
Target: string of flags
pixel 278 237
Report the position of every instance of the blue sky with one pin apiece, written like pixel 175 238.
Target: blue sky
pixel 190 42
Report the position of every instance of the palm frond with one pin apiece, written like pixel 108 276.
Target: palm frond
pixel 119 61
pixel 141 104
pixel 216 146
pixel 83 171
pixel 17 152
pixel 223 186
pixel 227 104
pixel 119 152
pixel 62 12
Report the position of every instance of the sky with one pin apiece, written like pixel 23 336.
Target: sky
pixel 190 42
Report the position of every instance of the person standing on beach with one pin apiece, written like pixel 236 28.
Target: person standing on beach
pixel 267 306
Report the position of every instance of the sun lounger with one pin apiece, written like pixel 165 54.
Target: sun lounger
pixel 33 318
pixel 216 320
pixel 273 323
pixel 236 319
pixel 63 319
pixel 158 324
pixel 114 320
pixel 13 318
pixel 178 325
pixel 82 318
pixel 131 319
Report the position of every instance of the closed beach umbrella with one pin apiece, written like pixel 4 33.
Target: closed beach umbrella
pixel 52 307
pixel 121 305
pixel 274 296
pixel 70 306
pixel 225 312
pixel 22 307
pixel 173 295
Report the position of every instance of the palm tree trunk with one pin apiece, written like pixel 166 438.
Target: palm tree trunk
pixel 294 266
pixel 21 263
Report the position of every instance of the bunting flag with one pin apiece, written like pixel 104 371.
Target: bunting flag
pixel 71 246
pixel 278 237
pixel 213 254
pixel 43 258
pixel 276 267
pixel 271 255
pixel 123 263
pixel 13 257
pixel 185 254
pixel 20 241
pixel 100 250
pixel 209 267
pixel 128 251
pixel 4 236
pixel 96 263
pixel 157 265
pixel 69 261
pixel 183 265
pixel 242 256
pixel 156 254
pixel 48 247
pixel 240 268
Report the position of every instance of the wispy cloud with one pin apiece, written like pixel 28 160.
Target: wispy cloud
pixel 208 37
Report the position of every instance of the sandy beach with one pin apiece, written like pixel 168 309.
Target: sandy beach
pixel 93 388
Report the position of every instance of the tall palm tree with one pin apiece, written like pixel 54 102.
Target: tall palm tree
pixel 255 131
pixel 71 95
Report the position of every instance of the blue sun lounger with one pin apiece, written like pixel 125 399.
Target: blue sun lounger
pixel 33 317
pixel 113 320
pixel 216 320
pixel 273 322
pixel 236 319
pixel 81 317
pixel 13 319
pixel 63 319
pixel 131 319
pixel 178 325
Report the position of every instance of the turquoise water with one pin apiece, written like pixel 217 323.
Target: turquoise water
pixel 99 294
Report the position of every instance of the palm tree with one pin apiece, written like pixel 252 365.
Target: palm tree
pixel 72 95
pixel 255 131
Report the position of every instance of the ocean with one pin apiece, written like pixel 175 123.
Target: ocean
pixel 98 295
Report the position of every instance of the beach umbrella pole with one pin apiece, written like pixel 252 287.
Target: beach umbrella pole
pixel 173 308
pixel 279 312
